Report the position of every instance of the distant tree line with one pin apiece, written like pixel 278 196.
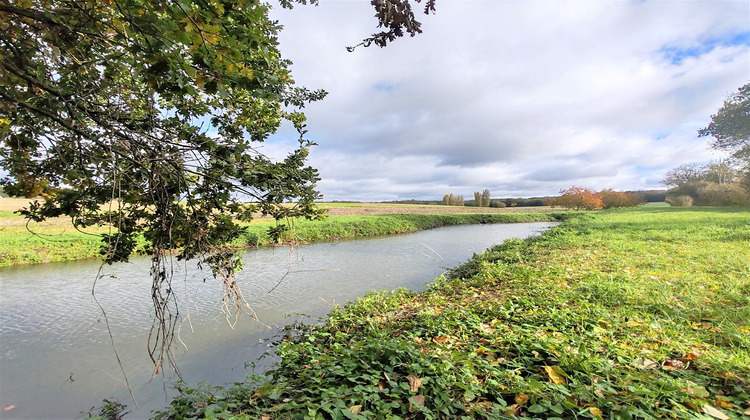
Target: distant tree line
pixel 453 200
pixel 718 183
pixel 482 198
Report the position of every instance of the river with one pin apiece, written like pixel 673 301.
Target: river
pixel 56 358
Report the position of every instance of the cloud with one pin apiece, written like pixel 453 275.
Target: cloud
pixel 521 97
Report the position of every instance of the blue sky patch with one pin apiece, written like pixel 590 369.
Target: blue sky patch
pixel 677 54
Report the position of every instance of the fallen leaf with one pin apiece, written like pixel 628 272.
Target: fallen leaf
pixel 522 399
pixel 355 409
pixel 9 407
pixel 714 412
pixel 723 404
pixel 689 357
pixel 693 405
pixel 265 417
pixel 747 412
pixel 414 383
pixel 645 363
pixel 595 412
pixel 419 399
pixel 670 364
pixel 556 374
pixel 443 339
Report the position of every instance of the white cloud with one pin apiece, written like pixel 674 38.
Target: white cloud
pixel 521 97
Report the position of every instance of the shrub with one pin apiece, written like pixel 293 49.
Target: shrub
pixel 577 198
pixel 614 199
pixel 680 201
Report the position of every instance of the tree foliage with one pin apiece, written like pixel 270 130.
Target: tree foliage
pixel 453 200
pixel 716 183
pixel 577 198
pixel 730 126
pixel 147 117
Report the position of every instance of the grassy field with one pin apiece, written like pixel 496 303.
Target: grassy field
pixel 57 240
pixel 641 313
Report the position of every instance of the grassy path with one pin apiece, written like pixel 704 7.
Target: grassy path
pixel 640 313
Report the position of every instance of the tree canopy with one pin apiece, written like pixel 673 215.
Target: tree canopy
pixel 730 126
pixel 147 116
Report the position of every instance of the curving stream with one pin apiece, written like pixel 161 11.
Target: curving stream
pixel 56 359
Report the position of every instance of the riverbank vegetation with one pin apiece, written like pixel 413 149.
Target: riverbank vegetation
pixel 57 240
pixel 633 313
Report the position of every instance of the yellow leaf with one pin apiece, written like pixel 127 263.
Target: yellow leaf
pixel 556 374
pixel 723 404
pixel 355 409
pixel 521 399
pixel 595 412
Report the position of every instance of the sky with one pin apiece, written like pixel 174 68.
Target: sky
pixel 521 97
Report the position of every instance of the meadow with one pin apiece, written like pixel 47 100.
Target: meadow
pixel 57 240
pixel 637 313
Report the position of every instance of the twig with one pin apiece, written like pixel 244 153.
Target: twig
pixel 111 336
pixel 436 253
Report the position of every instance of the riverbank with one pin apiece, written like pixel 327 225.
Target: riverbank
pixel 635 313
pixel 57 240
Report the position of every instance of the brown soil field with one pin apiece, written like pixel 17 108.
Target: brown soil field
pixel 356 209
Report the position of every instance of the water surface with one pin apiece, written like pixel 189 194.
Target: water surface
pixel 56 358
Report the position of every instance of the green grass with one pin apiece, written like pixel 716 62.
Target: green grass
pixel 57 240
pixel 641 313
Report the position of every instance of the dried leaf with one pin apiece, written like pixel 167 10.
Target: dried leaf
pixel 414 383
pixel 419 399
pixel 645 363
pixel 747 412
pixel 689 357
pixel 265 417
pixel 443 339
pixel 723 404
pixel 595 412
pixel 714 412
pixel 670 364
pixel 522 399
pixel 556 374
pixel 355 409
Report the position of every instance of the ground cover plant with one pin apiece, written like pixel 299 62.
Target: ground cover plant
pixel 637 313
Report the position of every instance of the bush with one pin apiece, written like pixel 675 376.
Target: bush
pixel 728 195
pixel 577 198
pixel 680 201
pixel 615 199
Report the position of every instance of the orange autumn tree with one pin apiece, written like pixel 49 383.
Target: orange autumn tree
pixel 614 199
pixel 577 198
